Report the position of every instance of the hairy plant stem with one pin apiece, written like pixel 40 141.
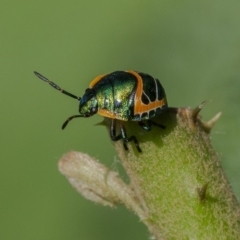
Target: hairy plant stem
pixel 177 185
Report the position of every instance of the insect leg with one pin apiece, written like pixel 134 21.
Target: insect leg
pixel 146 127
pixel 156 124
pixel 126 139
pixel 113 135
pixel 122 136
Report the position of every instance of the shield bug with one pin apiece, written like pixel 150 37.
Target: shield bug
pixel 120 96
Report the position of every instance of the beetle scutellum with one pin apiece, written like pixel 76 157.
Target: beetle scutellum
pixel 120 96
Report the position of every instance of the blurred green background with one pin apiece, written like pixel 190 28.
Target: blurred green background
pixel 193 47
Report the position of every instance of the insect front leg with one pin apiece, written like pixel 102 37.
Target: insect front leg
pixel 113 135
pixel 122 135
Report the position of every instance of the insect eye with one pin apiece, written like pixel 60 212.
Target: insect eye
pixel 93 110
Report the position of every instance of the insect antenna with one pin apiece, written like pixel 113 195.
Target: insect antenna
pixel 55 86
pixel 69 119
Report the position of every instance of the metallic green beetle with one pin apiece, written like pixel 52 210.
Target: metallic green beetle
pixel 123 96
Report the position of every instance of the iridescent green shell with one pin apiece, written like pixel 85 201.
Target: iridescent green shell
pixel 124 95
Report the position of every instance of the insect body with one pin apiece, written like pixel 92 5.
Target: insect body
pixel 123 96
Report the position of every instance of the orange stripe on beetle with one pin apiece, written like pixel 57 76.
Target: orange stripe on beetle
pixel 139 106
pixel 106 113
pixel 96 80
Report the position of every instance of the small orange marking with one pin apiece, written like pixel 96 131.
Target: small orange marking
pixel 96 80
pixel 106 113
pixel 139 106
